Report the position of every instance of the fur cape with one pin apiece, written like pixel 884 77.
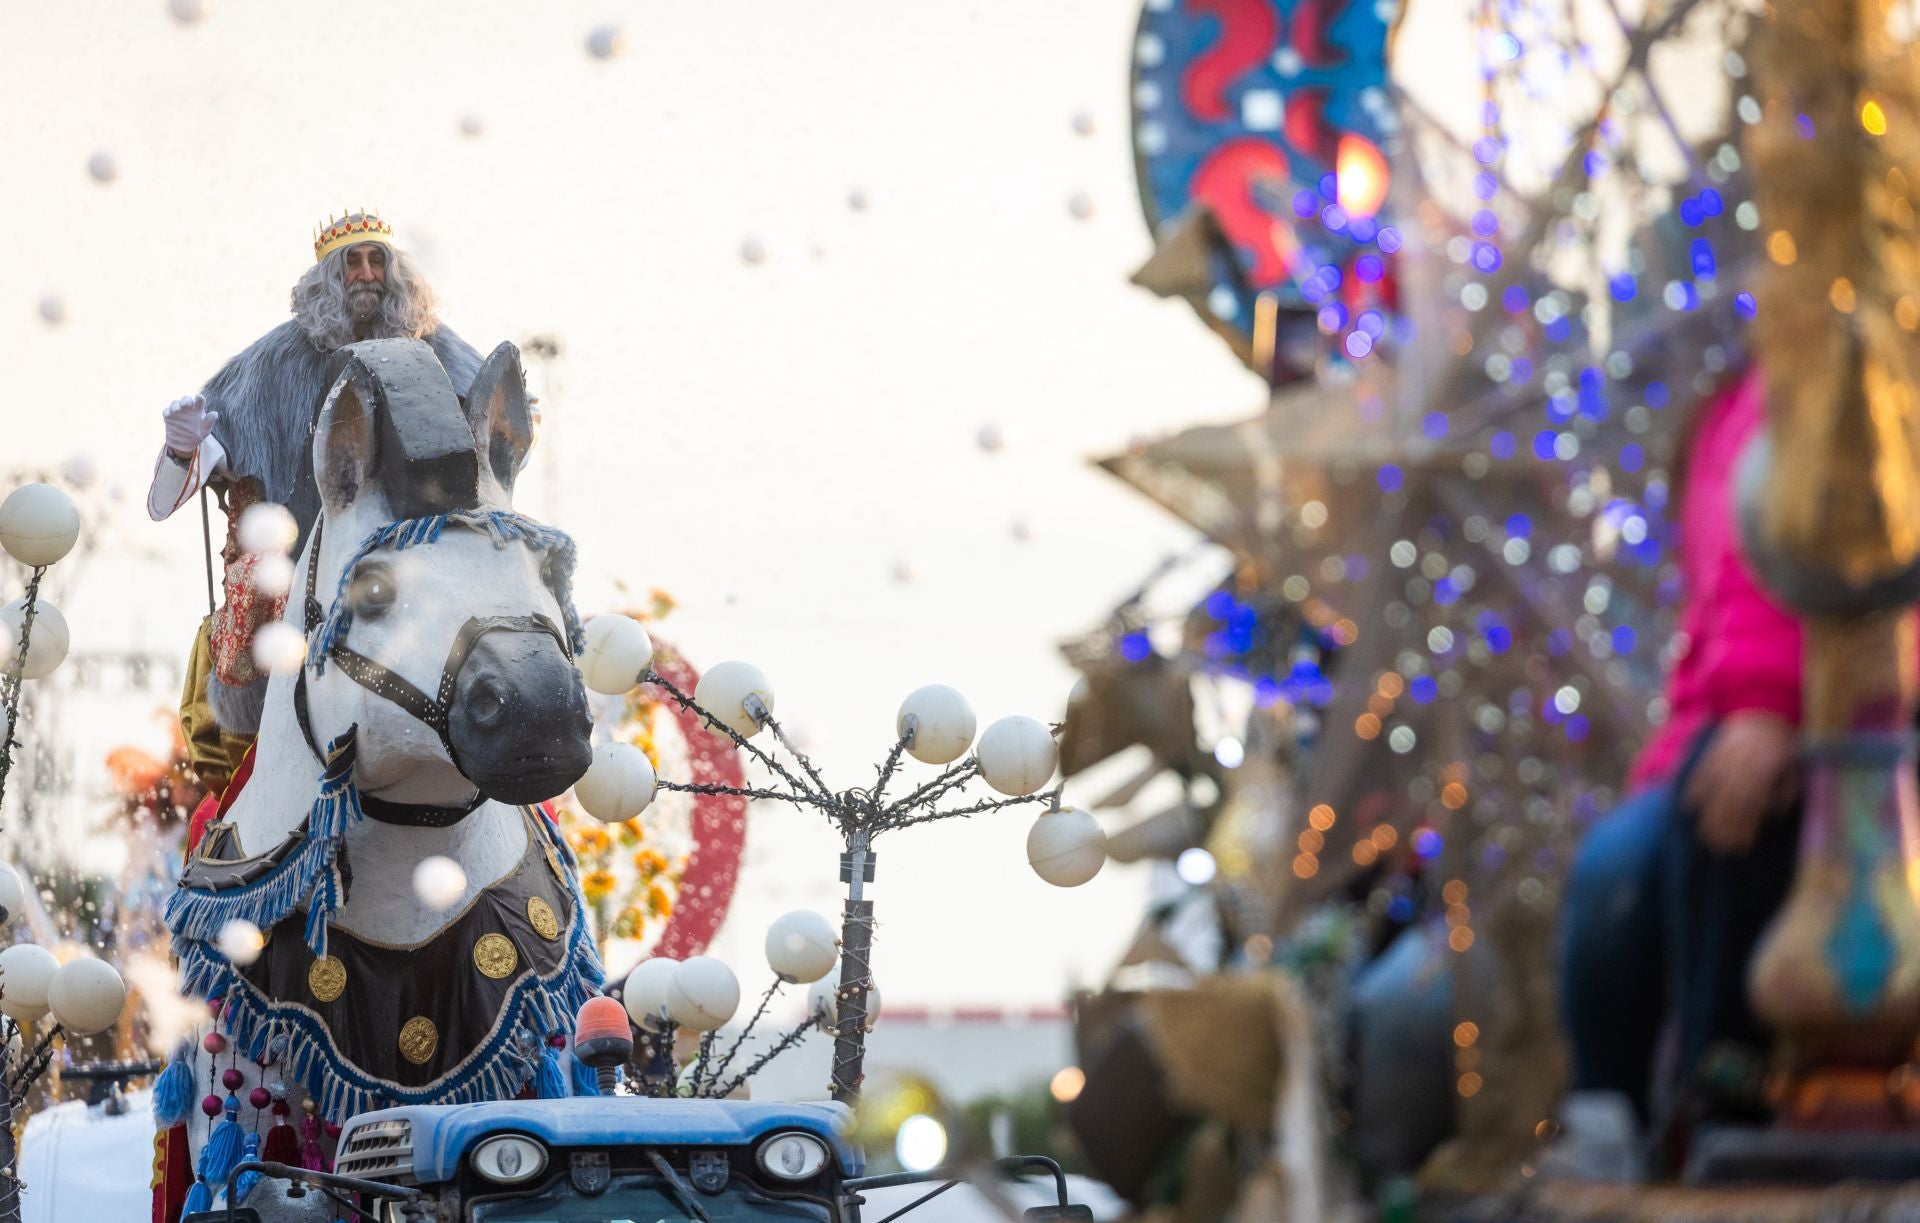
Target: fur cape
pixel 268 396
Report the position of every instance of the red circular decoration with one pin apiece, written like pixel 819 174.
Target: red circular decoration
pixel 719 831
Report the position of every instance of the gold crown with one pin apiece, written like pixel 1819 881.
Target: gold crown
pixel 350 230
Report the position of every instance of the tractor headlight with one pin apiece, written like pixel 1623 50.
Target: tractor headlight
pixel 792 1156
pixel 509 1159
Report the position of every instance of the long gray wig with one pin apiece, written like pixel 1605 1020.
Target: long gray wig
pixel 408 309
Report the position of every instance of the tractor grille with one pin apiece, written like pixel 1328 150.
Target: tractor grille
pixel 379 1150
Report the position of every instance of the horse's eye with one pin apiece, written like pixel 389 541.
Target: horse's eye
pixel 371 594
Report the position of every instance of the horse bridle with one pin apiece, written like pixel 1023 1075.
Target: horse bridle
pixel 435 711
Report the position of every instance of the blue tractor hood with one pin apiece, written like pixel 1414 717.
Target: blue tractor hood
pixel 442 1133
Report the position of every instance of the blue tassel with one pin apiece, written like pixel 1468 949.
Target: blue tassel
pixel 199 1198
pixel 585 1081
pixel 173 1090
pixel 224 1148
pixel 244 1185
pixel 549 1083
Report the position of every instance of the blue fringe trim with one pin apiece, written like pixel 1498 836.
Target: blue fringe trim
pixel 223 1151
pixel 312 875
pixel 586 1081
pixel 497 1070
pixel 245 1184
pixel 199 1198
pixel 173 1090
pixel 556 547
pixel 548 1082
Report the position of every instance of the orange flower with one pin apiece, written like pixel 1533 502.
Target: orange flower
pixel 598 885
pixel 658 902
pixel 649 862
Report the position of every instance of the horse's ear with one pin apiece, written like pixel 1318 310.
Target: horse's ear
pixel 344 439
pixel 501 416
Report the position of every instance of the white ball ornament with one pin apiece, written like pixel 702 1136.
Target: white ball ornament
pixel 1066 847
pixel 26 971
pixel 13 894
pixel 723 692
pixel 87 996
pixel 802 946
pixel 619 783
pixel 618 651
pixel 823 1003
pixel 46 648
pixel 703 994
pixel 645 993
pixel 38 524
pixel 943 724
pixel 439 882
pixel 1017 755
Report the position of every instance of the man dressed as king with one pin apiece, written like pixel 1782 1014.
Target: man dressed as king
pixel 247 436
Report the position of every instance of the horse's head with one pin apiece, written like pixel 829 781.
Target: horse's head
pixel 439 622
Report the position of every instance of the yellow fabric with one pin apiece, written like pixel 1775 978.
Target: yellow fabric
pixel 212 751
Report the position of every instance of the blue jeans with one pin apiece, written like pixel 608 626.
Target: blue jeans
pixel 1656 933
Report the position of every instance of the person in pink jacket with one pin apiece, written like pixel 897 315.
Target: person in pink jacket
pixel 1670 891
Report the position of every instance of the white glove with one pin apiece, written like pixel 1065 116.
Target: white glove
pixel 188 423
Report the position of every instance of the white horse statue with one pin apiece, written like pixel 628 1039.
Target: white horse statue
pixel 438 701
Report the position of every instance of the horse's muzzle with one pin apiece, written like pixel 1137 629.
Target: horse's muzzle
pixel 519 723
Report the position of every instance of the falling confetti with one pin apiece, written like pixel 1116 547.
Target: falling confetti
pixel 607 41
pixel 53 311
pixel 857 200
pixel 1081 206
pixel 991 439
pixel 102 167
pixel 190 12
pixel 1083 124
pixel 472 125
pixel 753 252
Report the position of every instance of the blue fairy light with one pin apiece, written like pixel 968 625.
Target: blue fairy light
pixel 1519 526
pixel 1485 224
pixel 1368 267
pixel 1501 445
pixel 1656 394
pixel 1558 331
pixel 1513 299
pixel 1632 457
pixel 1266 692
pixel 1330 187
pixel 1744 306
pixel 1134 647
pixel 1499 637
pixel 1486 257
pixel 1423 689
pixel 1690 213
pixel 1559 641
pixel 1371 323
pixel 1522 369
pixel 1543 444
pixel 1362 229
pixel 1400 908
pixel 1434 425
pixel 1445 593
pixel 1220 604
pixel 1333 217
pixel 1485 185
pixel 1304 204
pixel 1624 639
pixel 1622 287
pixel 1359 344
pixel 1577 728
pixel 1710 202
pixel 1427 843
pixel 1389 239
pixel 1486 150
pixel 1390 477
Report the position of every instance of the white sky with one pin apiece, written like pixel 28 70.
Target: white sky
pixel 764 442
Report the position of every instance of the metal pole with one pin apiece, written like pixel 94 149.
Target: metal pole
pixel 856 975
pixel 9 1183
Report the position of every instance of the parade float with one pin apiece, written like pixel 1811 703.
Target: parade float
pixel 391 928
